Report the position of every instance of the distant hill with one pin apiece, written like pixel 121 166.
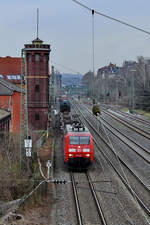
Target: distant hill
pixel 71 79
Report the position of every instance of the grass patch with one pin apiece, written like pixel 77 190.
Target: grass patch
pixel 125 109
pixel 138 111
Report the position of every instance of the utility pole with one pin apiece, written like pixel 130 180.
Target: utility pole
pixel 28 149
pixel 116 92
pixel 28 138
pixel 93 55
pixel 52 87
pixel 132 91
pixel 26 97
pixel 21 112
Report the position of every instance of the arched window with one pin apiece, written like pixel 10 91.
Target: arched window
pixel 37 116
pixel 37 57
pixel 37 64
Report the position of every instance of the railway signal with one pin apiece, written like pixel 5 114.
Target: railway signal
pixel 28 146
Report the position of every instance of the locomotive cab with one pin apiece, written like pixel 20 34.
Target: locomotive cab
pixel 78 146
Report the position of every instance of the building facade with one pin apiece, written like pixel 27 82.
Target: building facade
pixel 10 100
pixel 37 81
pixel 10 69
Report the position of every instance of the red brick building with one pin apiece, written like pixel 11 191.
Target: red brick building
pixel 10 100
pixel 5 117
pixel 37 56
pixel 37 61
pixel 10 69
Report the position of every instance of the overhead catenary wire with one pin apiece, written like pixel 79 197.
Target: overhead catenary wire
pixel 65 67
pixel 112 18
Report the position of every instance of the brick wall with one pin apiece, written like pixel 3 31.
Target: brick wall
pixel 13 104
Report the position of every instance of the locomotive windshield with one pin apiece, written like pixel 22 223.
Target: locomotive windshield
pixel 79 140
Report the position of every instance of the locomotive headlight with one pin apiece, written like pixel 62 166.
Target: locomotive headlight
pixel 70 155
pixel 86 150
pixel 87 155
pixel 72 150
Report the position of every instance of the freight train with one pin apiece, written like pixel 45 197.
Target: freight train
pixel 64 106
pixel 78 146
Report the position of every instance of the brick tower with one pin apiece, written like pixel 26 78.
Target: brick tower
pixel 37 64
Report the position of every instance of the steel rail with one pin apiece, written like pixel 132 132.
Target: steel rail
pixel 126 140
pixel 122 178
pixel 124 181
pixel 130 116
pixel 124 135
pixel 99 209
pixel 133 127
pixel 96 200
pixel 145 122
pixel 148 189
pixel 76 200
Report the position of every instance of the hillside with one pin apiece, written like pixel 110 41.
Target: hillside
pixel 70 79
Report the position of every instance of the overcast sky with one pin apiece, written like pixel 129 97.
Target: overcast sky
pixel 67 27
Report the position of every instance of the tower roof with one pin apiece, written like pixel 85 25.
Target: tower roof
pixel 37 41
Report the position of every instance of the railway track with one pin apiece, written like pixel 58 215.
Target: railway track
pixel 115 184
pixel 141 126
pixel 138 125
pixel 145 123
pixel 123 178
pixel 142 151
pixel 132 126
pixel 86 213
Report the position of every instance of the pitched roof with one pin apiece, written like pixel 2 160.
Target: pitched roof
pixel 7 88
pixel 10 66
pixel 4 113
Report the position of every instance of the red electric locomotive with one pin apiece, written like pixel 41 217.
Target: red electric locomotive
pixel 78 146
